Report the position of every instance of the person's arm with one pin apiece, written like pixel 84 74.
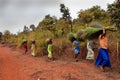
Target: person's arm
pixel 104 30
pixel 99 37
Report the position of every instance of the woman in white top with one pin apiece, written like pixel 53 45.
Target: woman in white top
pixel 90 53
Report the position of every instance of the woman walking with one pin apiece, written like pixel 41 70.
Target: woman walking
pixel 103 59
pixel 90 54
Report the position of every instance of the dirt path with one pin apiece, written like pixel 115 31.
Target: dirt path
pixel 16 66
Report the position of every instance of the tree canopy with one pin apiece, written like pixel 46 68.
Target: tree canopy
pixel 66 14
pixel 114 12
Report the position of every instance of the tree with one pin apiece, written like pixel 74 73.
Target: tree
pixel 85 17
pixel 98 13
pixel 32 26
pixel 62 25
pixel 114 11
pixel 6 35
pixel 66 14
pixel 25 29
pixel 94 14
pixel 1 35
pixel 6 32
pixel 48 23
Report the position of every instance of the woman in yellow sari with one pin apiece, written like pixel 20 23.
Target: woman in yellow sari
pixel 33 48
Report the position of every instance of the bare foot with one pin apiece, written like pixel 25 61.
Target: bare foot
pixel 102 68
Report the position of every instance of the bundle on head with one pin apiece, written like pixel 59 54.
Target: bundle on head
pixel 23 41
pixel 89 33
pixel 32 41
pixel 79 35
pixel 48 41
pixel 70 36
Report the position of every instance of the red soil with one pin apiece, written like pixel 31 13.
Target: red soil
pixel 16 66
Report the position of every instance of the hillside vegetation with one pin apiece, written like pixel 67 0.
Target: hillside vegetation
pixel 89 21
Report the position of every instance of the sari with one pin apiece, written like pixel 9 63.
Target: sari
pixel 90 54
pixel 49 49
pixel 33 50
pixel 103 58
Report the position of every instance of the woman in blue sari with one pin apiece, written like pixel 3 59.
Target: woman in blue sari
pixel 76 44
pixel 103 59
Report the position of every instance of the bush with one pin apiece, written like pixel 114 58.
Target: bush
pixel 41 47
pixel 60 47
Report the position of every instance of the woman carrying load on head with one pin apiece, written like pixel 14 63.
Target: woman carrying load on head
pixel 76 45
pixel 49 48
pixel 90 53
pixel 24 44
pixel 33 48
pixel 103 59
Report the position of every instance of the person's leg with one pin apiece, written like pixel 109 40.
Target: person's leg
pixel 99 60
pixel 102 68
pixel 76 56
pixel 106 60
pixel 25 50
pixel 50 55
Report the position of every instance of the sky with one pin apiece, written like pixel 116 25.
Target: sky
pixel 14 14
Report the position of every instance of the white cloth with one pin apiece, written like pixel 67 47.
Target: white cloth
pixel 90 54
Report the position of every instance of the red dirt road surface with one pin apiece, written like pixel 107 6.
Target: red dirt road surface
pixel 16 66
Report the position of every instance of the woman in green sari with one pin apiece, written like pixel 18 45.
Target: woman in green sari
pixel 50 48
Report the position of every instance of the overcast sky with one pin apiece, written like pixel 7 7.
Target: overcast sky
pixel 14 14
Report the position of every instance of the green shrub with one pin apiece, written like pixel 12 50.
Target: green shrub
pixel 41 47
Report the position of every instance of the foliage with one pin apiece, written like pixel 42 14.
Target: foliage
pixel 98 13
pixel 114 11
pixel 85 17
pixel 6 35
pixel 6 32
pixel 41 47
pixel 32 26
pixel 65 11
pixel 62 25
pixel 66 14
pixel 1 36
pixel 93 14
pixel 25 29
pixel 48 23
pixel 95 25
